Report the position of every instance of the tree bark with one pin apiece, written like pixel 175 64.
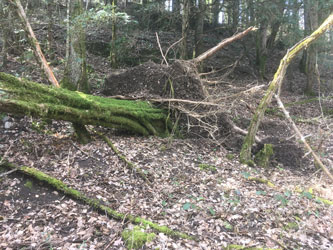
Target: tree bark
pixel 235 15
pixel 311 69
pixel 198 39
pixel 75 75
pixel 5 27
pixel 50 8
pixel 185 28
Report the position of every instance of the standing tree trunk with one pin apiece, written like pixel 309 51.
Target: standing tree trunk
pixel 5 16
pixel 176 6
pixel 235 15
pixel 278 11
pixel 198 39
pixel 311 69
pixel 215 10
pixel 113 50
pixel 250 13
pixel 50 8
pixel 75 75
pixel 261 49
pixel 185 28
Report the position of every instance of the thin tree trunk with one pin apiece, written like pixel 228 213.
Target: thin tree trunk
pixel 50 7
pixel 75 75
pixel 312 72
pixel 68 38
pixel 113 51
pixel 185 28
pixel 261 49
pixel 5 15
pixel 235 15
pixel 198 49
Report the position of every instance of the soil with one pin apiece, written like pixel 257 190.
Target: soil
pixel 151 80
pixel 219 206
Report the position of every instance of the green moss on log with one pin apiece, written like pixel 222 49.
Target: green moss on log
pixel 30 98
pixel 239 247
pixel 136 238
pixel 96 204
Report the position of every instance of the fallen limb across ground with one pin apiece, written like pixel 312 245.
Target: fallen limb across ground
pixel 29 98
pixel 95 204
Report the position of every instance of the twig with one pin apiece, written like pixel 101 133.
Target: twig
pixel 9 172
pixel 184 101
pixel 255 88
pixel 225 75
pixel 167 51
pixel 159 45
pixel 307 146
pixel 130 165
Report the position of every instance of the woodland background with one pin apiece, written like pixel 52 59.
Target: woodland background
pixel 162 144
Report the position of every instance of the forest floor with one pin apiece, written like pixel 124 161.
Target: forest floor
pixel 198 185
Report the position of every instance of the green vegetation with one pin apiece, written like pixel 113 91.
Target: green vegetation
pixel 263 156
pixel 230 156
pixel 136 238
pixel 30 98
pixel 239 247
pixel 28 184
pixel 207 167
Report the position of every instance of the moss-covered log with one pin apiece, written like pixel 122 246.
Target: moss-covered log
pixel 95 204
pixel 21 96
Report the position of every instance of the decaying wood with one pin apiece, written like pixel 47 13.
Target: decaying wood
pixel 35 44
pixel 245 155
pixel 306 145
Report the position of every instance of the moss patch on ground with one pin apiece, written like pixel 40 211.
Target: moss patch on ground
pixel 136 238
pixel 207 167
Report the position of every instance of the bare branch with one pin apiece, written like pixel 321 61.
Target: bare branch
pixel 159 45
pixel 222 44
pixel 306 145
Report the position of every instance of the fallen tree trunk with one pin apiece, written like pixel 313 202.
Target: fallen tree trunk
pixel 21 96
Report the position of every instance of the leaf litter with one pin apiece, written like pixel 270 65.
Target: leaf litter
pixel 219 207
